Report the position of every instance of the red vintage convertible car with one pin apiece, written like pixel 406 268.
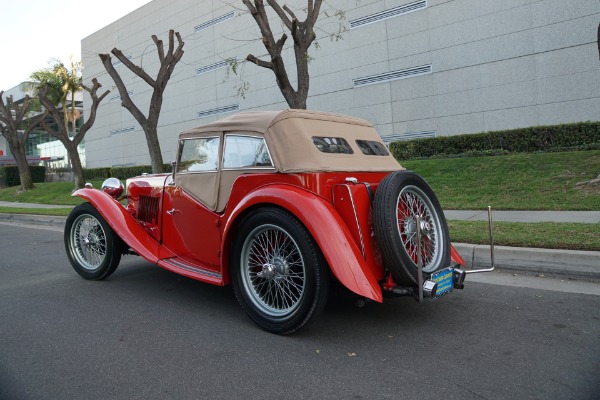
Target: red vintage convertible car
pixel 277 204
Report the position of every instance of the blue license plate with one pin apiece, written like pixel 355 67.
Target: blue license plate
pixel 444 280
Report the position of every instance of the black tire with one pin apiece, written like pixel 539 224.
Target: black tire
pixel 93 248
pixel 279 275
pixel 400 197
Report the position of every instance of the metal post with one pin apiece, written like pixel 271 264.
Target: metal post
pixel 474 271
pixel 419 258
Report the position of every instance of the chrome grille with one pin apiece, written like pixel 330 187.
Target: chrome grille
pixel 148 210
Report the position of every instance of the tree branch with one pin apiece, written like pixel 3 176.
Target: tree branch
pixel 287 9
pixel 93 109
pixel 132 67
pixel 125 99
pixel 280 13
pixel 159 48
pixel 258 62
pixel 313 14
pixel 251 8
pixel 47 103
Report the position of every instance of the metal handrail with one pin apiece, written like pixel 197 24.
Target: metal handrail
pixel 475 271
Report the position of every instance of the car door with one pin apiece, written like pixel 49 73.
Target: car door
pixel 190 222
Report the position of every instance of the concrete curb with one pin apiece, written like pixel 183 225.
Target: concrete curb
pixel 31 219
pixel 568 263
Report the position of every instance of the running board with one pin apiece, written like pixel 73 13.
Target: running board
pixel 191 270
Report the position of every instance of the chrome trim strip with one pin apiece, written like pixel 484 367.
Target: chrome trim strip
pixel 362 242
pixel 182 265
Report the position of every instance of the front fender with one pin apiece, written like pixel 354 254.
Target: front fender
pixel 124 225
pixel 326 227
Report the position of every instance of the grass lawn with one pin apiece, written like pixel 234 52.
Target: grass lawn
pixel 45 193
pixel 544 181
pixel 517 234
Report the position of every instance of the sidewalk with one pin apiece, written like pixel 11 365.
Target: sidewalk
pixel 29 205
pixel 579 217
pixel 573 264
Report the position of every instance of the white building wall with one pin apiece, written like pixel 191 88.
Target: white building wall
pixel 495 64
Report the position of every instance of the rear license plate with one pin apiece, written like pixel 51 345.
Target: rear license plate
pixel 444 280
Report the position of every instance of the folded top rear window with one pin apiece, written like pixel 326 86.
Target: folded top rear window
pixel 372 148
pixel 332 145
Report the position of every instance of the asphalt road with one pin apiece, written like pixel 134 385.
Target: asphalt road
pixel 146 333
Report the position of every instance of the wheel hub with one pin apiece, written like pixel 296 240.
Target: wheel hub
pixel 274 270
pixel 268 271
pixel 410 227
pixel 90 240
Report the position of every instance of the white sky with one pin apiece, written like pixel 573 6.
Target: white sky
pixel 35 31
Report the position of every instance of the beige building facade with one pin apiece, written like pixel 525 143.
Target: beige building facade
pixel 414 69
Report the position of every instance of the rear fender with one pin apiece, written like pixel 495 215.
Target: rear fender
pixel 455 257
pixel 124 225
pixel 327 228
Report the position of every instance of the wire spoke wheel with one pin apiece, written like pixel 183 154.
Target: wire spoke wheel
pixel 413 206
pixel 93 248
pixel 274 272
pixel 404 204
pixel 279 275
pixel 89 242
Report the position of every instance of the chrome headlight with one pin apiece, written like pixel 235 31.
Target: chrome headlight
pixel 113 187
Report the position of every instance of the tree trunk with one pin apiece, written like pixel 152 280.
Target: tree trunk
pixel 24 171
pixel 16 131
pixel 156 159
pixel 76 166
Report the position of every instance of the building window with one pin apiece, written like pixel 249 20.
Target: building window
pixel 219 110
pixel 214 21
pixel 118 97
pixel 122 131
pixel 392 75
pixel 387 139
pixel 387 14
pixel 212 67
pixel 117 61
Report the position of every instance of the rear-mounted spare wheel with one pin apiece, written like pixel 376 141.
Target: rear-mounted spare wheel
pixel 401 197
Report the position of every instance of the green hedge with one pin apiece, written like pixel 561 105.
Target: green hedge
pixel 583 135
pixel 90 174
pixel 9 175
pixel 119 172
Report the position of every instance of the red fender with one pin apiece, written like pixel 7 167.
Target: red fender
pixel 124 225
pixel 327 228
pixel 455 256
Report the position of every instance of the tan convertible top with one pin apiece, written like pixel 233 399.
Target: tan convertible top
pixel 289 137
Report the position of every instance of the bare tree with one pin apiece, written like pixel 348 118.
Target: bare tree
pixel 62 131
pixel 16 123
pixel 303 35
pixel 167 64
